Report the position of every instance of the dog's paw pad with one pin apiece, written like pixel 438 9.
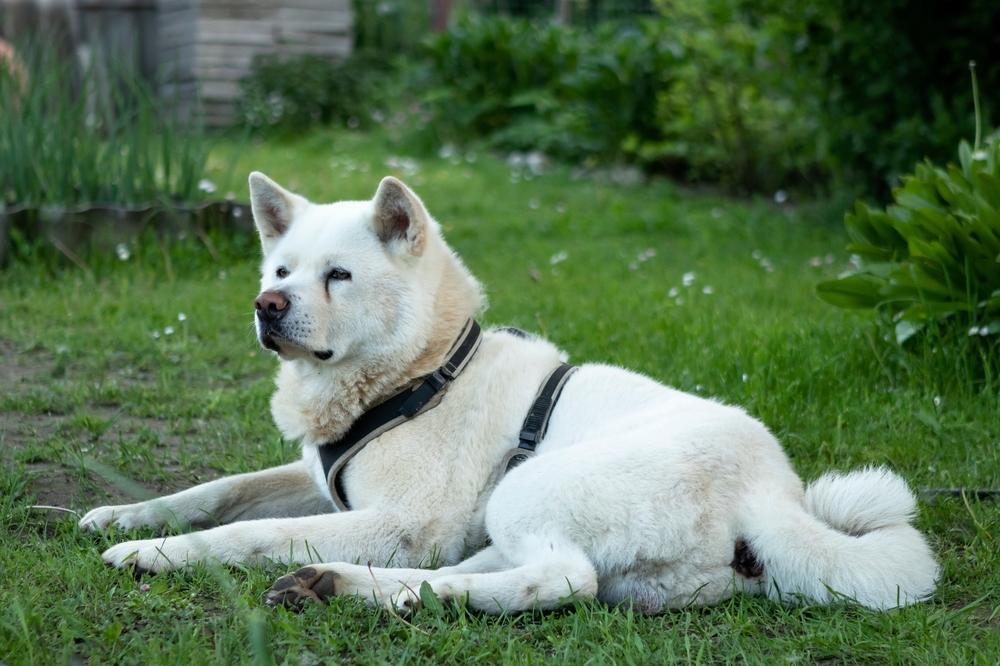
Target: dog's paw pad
pixel 306 584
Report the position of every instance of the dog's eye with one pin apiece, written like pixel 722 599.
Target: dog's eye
pixel 282 272
pixel 338 274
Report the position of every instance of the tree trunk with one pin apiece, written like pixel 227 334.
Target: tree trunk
pixel 440 12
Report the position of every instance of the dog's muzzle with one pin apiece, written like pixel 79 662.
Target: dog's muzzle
pixel 271 307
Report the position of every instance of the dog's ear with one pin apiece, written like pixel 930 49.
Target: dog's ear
pixel 274 207
pixel 400 217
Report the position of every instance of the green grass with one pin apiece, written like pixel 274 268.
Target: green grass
pixel 89 397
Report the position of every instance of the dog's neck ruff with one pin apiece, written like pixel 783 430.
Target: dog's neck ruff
pixel 393 411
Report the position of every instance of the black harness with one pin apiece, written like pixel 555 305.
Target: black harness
pixel 419 398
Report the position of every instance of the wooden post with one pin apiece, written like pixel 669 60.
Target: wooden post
pixel 440 12
pixel 562 12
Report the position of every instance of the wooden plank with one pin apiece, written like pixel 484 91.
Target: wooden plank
pixel 234 26
pixel 211 6
pixel 222 73
pixel 315 27
pixel 115 5
pixel 235 50
pixel 296 15
pixel 229 60
pixel 259 41
pixel 219 90
pixel 333 51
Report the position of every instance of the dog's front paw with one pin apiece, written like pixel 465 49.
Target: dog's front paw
pixel 152 555
pixel 125 516
pixel 313 583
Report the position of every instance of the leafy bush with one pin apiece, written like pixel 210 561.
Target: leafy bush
pixel 932 258
pixel 736 112
pixel 892 75
pixel 71 137
pixel 539 86
pixel 293 95
pixel 698 94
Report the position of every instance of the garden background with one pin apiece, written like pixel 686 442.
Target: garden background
pixel 652 184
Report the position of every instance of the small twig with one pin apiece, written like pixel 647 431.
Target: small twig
pixel 388 607
pixel 981 494
pixel 207 241
pixel 166 257
pixel 46 507
pixel 892 380
pixel 72 256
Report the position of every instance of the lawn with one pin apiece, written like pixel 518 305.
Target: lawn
pixel 140 378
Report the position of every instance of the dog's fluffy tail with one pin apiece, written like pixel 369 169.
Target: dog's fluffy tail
pixel 851 536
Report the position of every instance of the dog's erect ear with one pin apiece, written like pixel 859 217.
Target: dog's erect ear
pixel 274 207
pixel 400 217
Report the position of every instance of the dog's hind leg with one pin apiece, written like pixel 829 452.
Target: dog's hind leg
pixel 280 492
pixel 552 576
pixel 319 582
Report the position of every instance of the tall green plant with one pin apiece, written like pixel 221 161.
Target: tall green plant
pixel 73 137
pixel 933 257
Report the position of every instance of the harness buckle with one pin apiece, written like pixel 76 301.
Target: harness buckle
pixel 514 458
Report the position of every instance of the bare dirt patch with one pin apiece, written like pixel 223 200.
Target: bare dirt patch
pixel 81 480
pixel 63 474
pixel 20 368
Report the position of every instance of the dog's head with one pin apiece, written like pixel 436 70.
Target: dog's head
pixel 354 281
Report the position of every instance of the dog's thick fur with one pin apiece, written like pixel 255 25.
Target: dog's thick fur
pixel 639 492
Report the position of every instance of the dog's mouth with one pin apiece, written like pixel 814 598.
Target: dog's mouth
pixel 267 341
pixel 270 341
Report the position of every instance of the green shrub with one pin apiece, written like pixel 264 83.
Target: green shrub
pixel 72 137
pixel 929 263
pixel 530 86
pixel 892 75
pixel 737 113
pixel 700 93
pixel 296 94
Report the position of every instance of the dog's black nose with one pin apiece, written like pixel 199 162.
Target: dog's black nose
pixel 271 305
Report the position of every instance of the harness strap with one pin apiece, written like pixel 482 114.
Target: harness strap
pixel 395 410
pixel 538 417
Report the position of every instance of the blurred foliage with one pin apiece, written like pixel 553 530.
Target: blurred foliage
pixel 389 28
pixel 754 94
pixel 293 95
pixel 893 76
pixel 541 87
pixel 931 261
pixel 70 135
pixel 579 12
pixel 698 95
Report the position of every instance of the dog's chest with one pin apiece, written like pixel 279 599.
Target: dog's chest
pixel 445 459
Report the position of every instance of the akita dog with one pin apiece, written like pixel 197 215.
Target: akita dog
pixel 638 492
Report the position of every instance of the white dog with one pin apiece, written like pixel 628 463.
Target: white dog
pixel 637 492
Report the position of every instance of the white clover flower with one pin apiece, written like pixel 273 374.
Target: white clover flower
pixel 673 292
pixel 205 185
pixel 181 316
pixel 688 279
pixel 169 330
pixel 707 290
pixel 123 252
